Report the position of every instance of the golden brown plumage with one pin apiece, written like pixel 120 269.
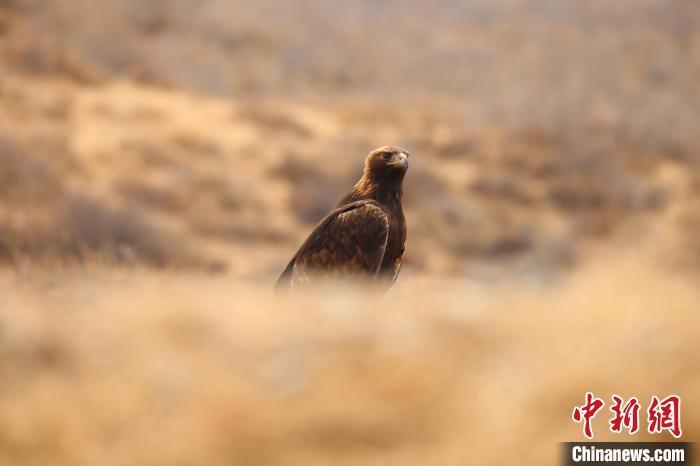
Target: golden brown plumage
pixel 363 237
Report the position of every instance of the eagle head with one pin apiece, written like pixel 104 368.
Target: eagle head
pixel 388 163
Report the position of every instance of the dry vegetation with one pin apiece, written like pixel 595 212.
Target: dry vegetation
pixel 100 368
pixel 160 162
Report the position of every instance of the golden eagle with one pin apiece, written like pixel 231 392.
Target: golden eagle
pixel 363 236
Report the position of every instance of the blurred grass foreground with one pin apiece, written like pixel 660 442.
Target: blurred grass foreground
pixel 161 161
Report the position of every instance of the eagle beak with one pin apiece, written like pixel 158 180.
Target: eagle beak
pixel 401 159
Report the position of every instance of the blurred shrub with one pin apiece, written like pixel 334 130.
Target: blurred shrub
pixel 24 177
pixel 314 191
pixel 43 220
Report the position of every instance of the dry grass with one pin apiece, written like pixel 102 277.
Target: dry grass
pixel 522 152
pixel 168 167
pixel 44 220
pixel 138 369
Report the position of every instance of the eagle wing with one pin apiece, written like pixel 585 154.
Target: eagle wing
pixel 348 243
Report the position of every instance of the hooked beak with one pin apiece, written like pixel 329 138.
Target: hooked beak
pixel 401 159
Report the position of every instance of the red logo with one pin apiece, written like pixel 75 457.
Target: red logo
pixel 626 415
pixel 665 415
pixel 662 415
pixel 587 412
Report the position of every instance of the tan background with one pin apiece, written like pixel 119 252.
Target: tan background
pixel 161 161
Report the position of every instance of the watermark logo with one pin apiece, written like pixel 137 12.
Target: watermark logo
pixel 586 412
pixel 665 415
pixel 625 415
pixel 661 415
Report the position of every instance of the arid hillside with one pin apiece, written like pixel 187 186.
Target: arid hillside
pixel 161 161
pixel 563 135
